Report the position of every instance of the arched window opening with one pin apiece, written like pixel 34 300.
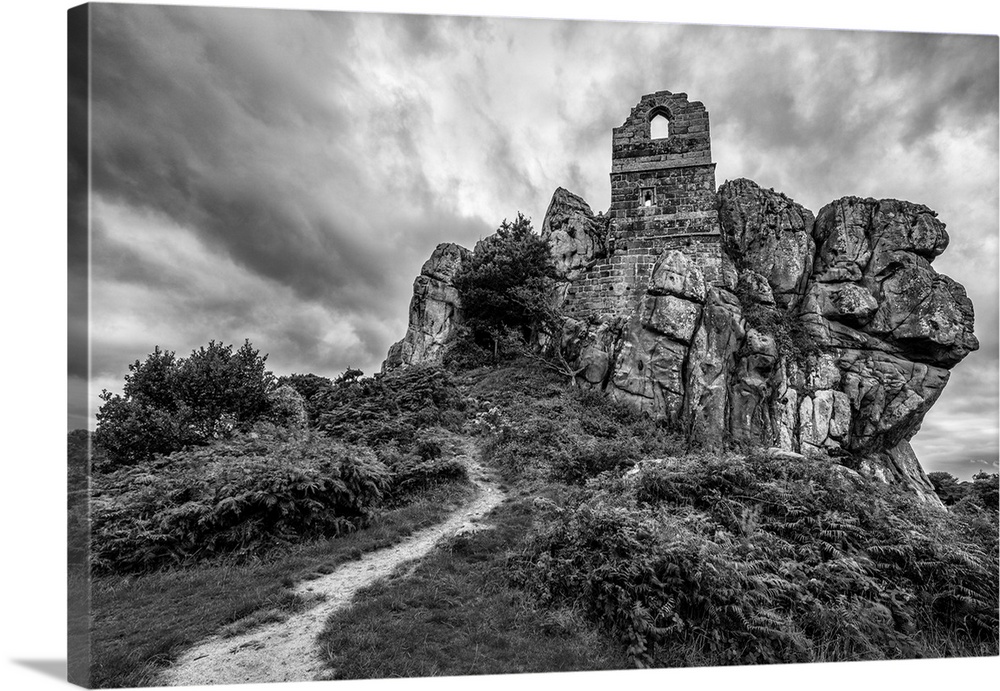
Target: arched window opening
pixel 647 196
pixel 659 127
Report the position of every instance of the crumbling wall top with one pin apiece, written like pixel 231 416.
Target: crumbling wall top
pixel 688 141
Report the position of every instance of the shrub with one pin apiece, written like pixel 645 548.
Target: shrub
pixel 465 354
pixel 168 403
pixel 411 474
pixel 133 431
pixel 239 498
pixel 287 408
pixel 435 458
pixel 506 283
pixel 979 495
pixel 310 387
pixel 535 426
pixel 947 487
pixel 586 457
pixel 390 408
pixel 745 560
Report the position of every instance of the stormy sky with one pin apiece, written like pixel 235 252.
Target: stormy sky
pixel 282 175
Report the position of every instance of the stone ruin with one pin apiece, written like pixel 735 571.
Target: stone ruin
pixel 737 314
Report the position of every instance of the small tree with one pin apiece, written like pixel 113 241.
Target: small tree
pixel 506 284
pixel 168 403
pixel 153 382
pixel 310 386
pixel 947 487
pixel 306 384
pixel 985 490
pixel 214 382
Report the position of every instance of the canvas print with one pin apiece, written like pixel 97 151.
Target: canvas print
pixel 414 346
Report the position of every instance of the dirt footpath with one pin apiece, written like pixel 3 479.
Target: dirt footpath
pixel 286 651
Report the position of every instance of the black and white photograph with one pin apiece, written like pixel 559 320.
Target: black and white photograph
pixel 414 344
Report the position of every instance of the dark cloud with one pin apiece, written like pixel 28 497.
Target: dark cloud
pixel 282 176
pixel 199 136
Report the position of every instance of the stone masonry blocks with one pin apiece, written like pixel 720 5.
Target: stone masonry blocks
pixel 663 196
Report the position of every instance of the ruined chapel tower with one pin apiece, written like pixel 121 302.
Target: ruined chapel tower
pixel 735 313
pixel 662 197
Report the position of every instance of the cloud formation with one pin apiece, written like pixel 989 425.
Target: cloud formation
pixel 281 175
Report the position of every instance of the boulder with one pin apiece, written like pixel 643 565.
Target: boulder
pixel 576 236
pixel 767 231
pixel 841 236
pixel 435 311
pixel 676 274
pixel 925 313
pixel 708 377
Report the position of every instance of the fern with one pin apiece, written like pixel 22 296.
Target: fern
pixel 742 560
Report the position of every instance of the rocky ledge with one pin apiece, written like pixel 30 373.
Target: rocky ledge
pixel 820 334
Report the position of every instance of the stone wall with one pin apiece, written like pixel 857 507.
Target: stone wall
pixel 612 287
pixel 662 198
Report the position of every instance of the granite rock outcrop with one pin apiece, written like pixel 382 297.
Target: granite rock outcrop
pixel 737 314
pixel 435 310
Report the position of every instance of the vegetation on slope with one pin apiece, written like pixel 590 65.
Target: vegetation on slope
pixel 618 547
pixel 459 613
pixel 185 541
pixel 141 622
pixel 685 560
pixel 736 560
pixel 233 498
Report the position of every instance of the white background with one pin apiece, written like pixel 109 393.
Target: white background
pixel 33 351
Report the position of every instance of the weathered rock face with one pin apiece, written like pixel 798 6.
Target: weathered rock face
pixel 577 237
pixel 739 315
pixel 835 337
pixel 770 233
pixel 435 311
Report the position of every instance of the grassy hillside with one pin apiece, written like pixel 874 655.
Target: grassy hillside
pixel 211 536
pixel 616 547
pixel 688 559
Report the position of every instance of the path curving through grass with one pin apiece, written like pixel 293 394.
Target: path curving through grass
pixel 286 651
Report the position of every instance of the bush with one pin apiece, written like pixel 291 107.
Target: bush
pixel 465 354
pixel 310 387
pixel 506 283
pixel 287 408
pixel 750 560
pixel 390 408
pixel 169 403
pixel 411 474
pixel 979 495
pixel 435 458
pixel 239 498
pixel 133 431
pixel 586 457
pixel 534 426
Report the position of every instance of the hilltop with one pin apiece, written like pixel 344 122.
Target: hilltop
pixel 736 315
